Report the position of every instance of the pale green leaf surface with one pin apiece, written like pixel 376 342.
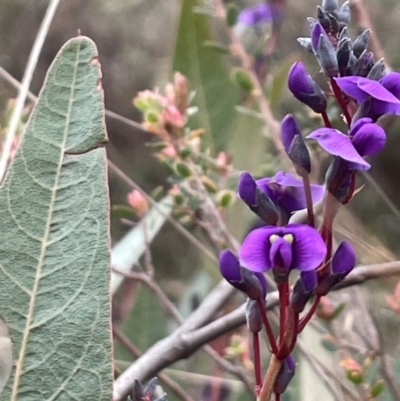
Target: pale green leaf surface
pixel 208 75
pixel 54 243
pixel 132 246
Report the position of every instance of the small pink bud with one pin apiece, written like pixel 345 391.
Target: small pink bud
pixel 137 202
pixel 173 117
pixel 170 152
pixel 181 92
pixel 354 370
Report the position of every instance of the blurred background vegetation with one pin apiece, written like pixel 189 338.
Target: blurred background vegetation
pixel 139 49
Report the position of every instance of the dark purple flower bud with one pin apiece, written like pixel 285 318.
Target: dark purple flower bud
pixel 364 64
pixel 343 55
pixel 378 71
pixel 330 6
pixel 343 34
pixel 294 145
pixel 252 284
pixel 326 56
pixel 305 89
pixel 287 192
pixel 253 316
pixel 344 14
pixel 285 375
pixel 254 15
pixel 257 199
pixel 323 18
pixel 343 263
pixel 317 30
pixel 361 43
pixel 303 290
pixel 335 28
pixel 295 246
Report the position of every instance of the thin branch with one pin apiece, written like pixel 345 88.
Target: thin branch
pixel 24 88
pixel 173 385
pixel 175 224
pixel 170 307
pixel 192 335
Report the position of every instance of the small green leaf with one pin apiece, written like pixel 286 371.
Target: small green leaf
pixel 183 170
pixel 54 252
pixel 232 14
pixel 242 79
pixel 329 345
pixel 377 388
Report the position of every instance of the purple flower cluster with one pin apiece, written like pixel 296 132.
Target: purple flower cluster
pixel 364 92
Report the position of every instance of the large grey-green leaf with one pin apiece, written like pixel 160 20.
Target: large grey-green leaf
pixel 216 95
pixel 54 256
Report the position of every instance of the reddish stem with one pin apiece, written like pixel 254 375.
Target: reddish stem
pixel 338 94
pixel 309 314
pixel 325 117
pixel 277 397
pixel 268 328
pixel 307 190
pixel 257 362
pixel 295 331
pixel 283 289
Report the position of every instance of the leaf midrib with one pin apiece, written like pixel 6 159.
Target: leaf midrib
pixel 45 242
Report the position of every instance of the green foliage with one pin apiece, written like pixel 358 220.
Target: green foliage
pixel 54 252
pixel 208 75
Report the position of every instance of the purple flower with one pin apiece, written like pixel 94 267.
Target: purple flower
pixel 295 246
pixel 305 89
pixel 252 284
pixel 376 98
pixel 287 191
pixel 365 139
pixel 257 14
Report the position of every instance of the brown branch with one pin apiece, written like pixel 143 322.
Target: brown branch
pixel 194 334
pixel 172 384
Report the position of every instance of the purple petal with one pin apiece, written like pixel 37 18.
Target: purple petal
pixel 338 144
pixel 376 90
pixel 379 107
pixel 391 82
pixel 281 253
pixel 289 129
pixel 308 247
pixel 316 32
pixel 247 188
pixel 229 266
pixel 369 139
pixel 255 250
pixel 299 81
pixel 349 85
pixel 355 126
pixel 310 279
pixel 344 259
